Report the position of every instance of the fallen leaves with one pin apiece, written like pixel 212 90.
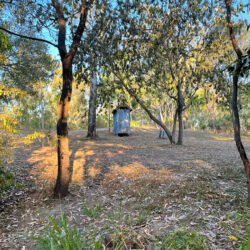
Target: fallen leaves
pixel 144 188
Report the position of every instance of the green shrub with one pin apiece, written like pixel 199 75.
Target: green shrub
pixel 59 236
pixel 5 181
pixel 202 123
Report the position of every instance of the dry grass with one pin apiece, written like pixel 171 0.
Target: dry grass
pixel 144 186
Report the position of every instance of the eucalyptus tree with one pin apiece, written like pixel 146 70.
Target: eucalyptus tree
pixel 89 60
pixel 178 43
pixel 240 69
pixel 158 47
pixel 54 15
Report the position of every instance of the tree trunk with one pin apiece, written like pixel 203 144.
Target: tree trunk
pixel 184 120
pixel 180 107
pixel 92 107
pixel 180 136
pixel 236 120
pixel 237 137
pixel 212 114
pixel 160 117
pixel 63 176
pixel 109 118
pixel 42 114
pixel 152 117
pixel 174 126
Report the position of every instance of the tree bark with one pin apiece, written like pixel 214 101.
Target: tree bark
pixel 174 126
pixel 180 109
pixel 184 120
pixel 180 136
pixel 237 136
pixel 236 119
pixel 109 118
pixel 92 107
pixel 63 176
pixel 42 114
pixel 212 114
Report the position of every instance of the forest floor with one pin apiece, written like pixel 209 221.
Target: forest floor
pixel 136 192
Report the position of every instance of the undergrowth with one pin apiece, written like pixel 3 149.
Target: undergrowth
pixel 117 234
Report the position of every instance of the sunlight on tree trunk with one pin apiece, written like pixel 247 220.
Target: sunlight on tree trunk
pixel 63 176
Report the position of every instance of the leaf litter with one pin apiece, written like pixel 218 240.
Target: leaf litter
pixel 135 189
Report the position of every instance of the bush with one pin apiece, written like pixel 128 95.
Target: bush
pixel 202 123
pixel 5 181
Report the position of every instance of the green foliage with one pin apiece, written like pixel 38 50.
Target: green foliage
pixel 59 236
pixel 8 130
pixel 246 245
pixel 5 181
pixel 183 240
pixel 92 211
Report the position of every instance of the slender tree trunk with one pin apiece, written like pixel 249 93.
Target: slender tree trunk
pixel 63 176
pixel 179 111
pixel 160 117
pixel 92 107
pixel 152 117
pixel 237 137
pixel 42 114
pixel 212 114
pixel 41 104
pixel 184 120
pixel 109 118
pixel 236 119
pixel 180 136
pixel 174 126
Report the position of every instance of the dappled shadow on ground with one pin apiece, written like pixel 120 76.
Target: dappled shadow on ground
pixel 194 185
pixel 140 154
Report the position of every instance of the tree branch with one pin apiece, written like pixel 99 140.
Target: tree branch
pixel 231 30
pixel 62 27
pixel 81 26
pixel 30 38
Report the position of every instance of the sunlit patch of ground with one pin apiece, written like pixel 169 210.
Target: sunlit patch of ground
pixel 144 187
pixel 222 138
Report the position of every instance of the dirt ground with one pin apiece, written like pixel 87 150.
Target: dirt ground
pixel 139 186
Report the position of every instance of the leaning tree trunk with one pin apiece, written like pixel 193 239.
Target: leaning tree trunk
pixel 152 117
pixel 92 107
pixel 236 119
pixel 237 137
pixel 63 176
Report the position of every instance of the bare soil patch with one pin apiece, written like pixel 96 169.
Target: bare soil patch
pixel 140 187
